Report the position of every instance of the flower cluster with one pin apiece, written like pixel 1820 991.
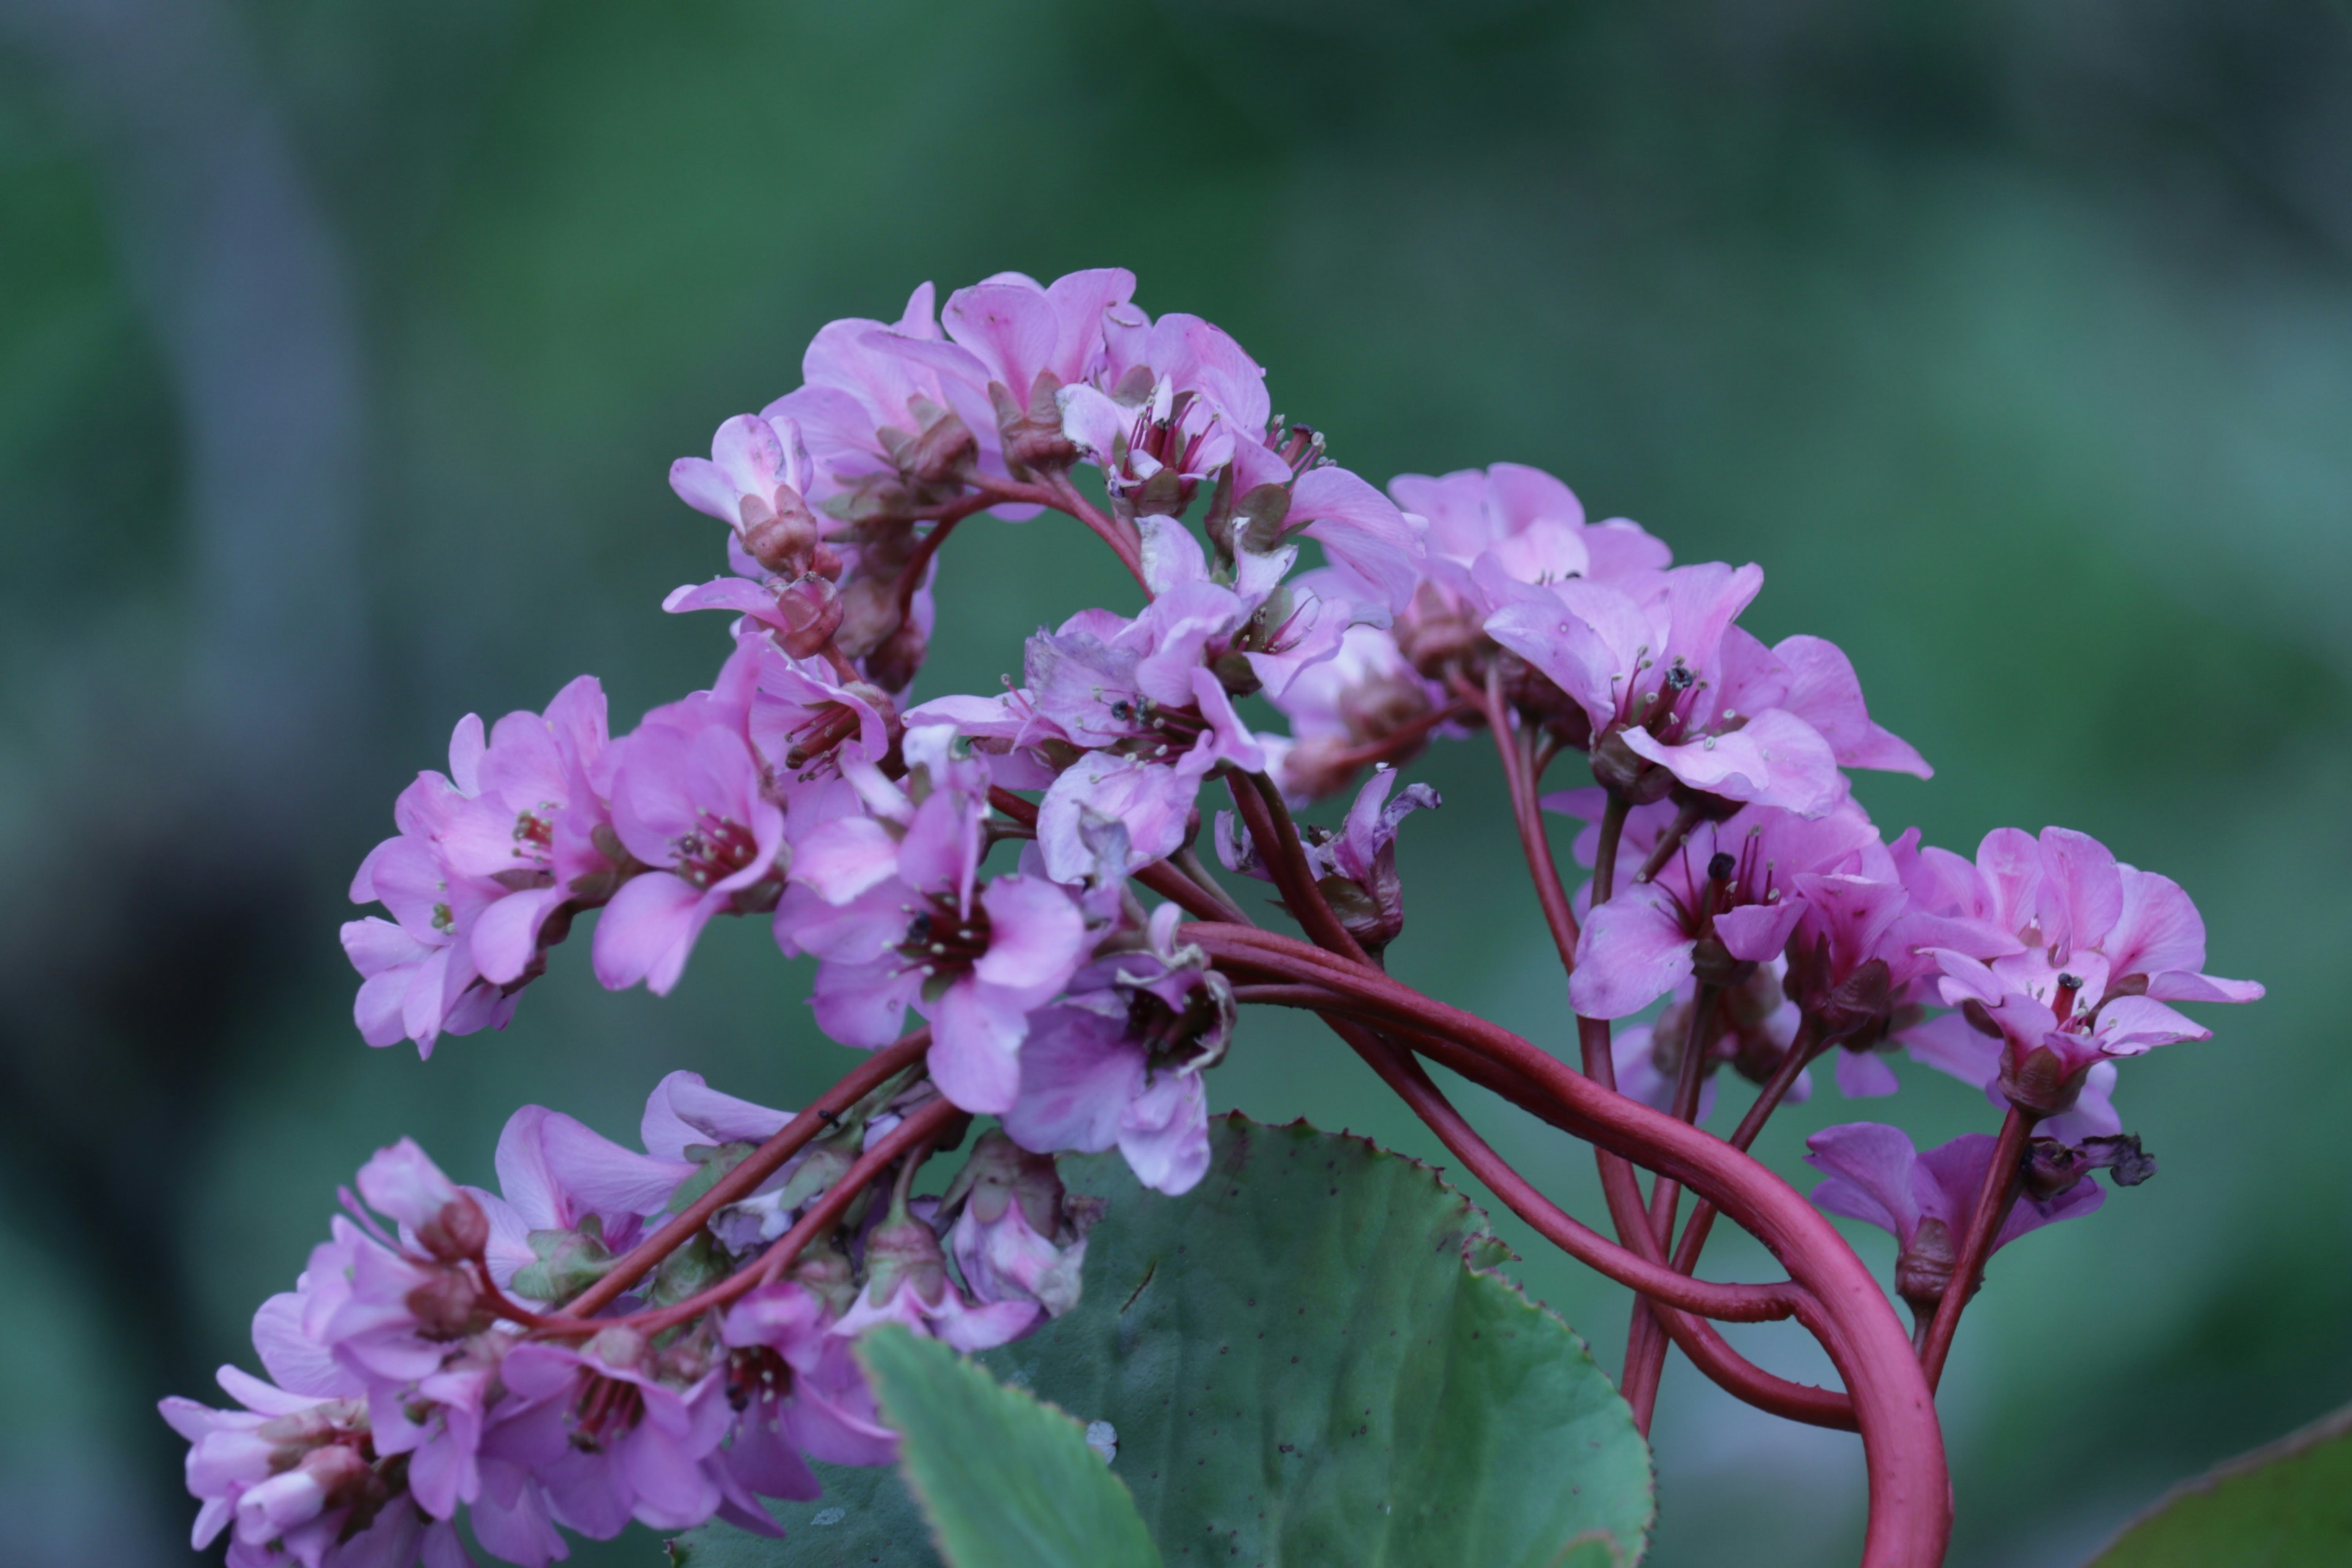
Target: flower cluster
pixel 982 862
pixel 436 1364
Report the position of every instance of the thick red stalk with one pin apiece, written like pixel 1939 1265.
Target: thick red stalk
pixel 1707 1349
pixel 745 1178
pixel 2003 1179
pixel 1910 1517
pixel 1732 1303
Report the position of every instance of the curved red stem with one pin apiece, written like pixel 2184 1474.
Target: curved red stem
pixel 1910 1517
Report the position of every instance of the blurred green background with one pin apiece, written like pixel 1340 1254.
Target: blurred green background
pixel 343 349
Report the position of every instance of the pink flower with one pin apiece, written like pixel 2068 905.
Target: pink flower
pixel 1667 683
pixel 907 1284
pixel 569 1199
pixel 1925 1200
pixel 1119 1062
pixel 613 1430
pixel 299 1474
pixel 1356 700
pixel 891 904
pixel 485 860
pixel 1529 524
pixel 798 1391
pixel 1355 868
pixel 690 801
pixel 1730 889
pixel 755 481
pixel 877 422
pixel 2098 948
pixel 1015 1236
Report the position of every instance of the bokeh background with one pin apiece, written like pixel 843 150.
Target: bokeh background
pixel 343 348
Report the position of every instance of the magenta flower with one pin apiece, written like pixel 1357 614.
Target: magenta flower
pixel 798 1391
pixel 1665 681
pixel 2099 949
pixel 1168 404
pixel 1510 524
pixel 907 1284
pixel 1925 1200
pixel 756 482
pixel 1119 1061
pixel 1730 889
pixel 610 1437
pixel 485 858
pixel 891 904
pixel 568 1200
pixel 689 800
pixel 871 415
pixel 295 1479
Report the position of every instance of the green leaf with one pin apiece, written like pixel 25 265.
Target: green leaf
pixel 1308 1361
pixel 1006 1481
pixel 2286 1506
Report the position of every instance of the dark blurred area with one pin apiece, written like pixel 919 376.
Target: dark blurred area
pixel 343 349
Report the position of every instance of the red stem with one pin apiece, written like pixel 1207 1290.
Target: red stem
pixel 1645 1353
pixel 2004 1178
pixel 918 1127
pixel 1910 1517
pixel 1706 1348
pixel 1527 814
pixel 745 1178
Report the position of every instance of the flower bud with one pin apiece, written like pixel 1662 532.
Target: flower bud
pixel 942 452
pixel 459 1231
pixel 897 659
pixel 781 538
pixel 446 1306
pixel 903 1251
pixel 2040 1085
pixel 1924 1271
pixel 812 612
pixel 1623 772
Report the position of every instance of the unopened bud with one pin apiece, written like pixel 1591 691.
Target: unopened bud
pixel 942 452
pixel 446 1306
pixel 2040 1085
pixel 1625 773
pixel 782 539
pixel 811 613
pixel 899 658
pixel 458 1232
pixel 1924 1271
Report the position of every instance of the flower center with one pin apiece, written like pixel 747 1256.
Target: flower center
pixel 607 1411
pixel 713 851
pixel 942 940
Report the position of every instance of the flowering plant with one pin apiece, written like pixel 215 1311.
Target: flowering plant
pixel 716 1325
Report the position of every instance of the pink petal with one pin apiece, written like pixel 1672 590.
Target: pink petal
pixel 648 931
pixel 844 857
pixel 700 484
pixel 1865 1075
pixel 975 1057
pixel 1634 950
pixel 1756 932
pixel 1036 933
